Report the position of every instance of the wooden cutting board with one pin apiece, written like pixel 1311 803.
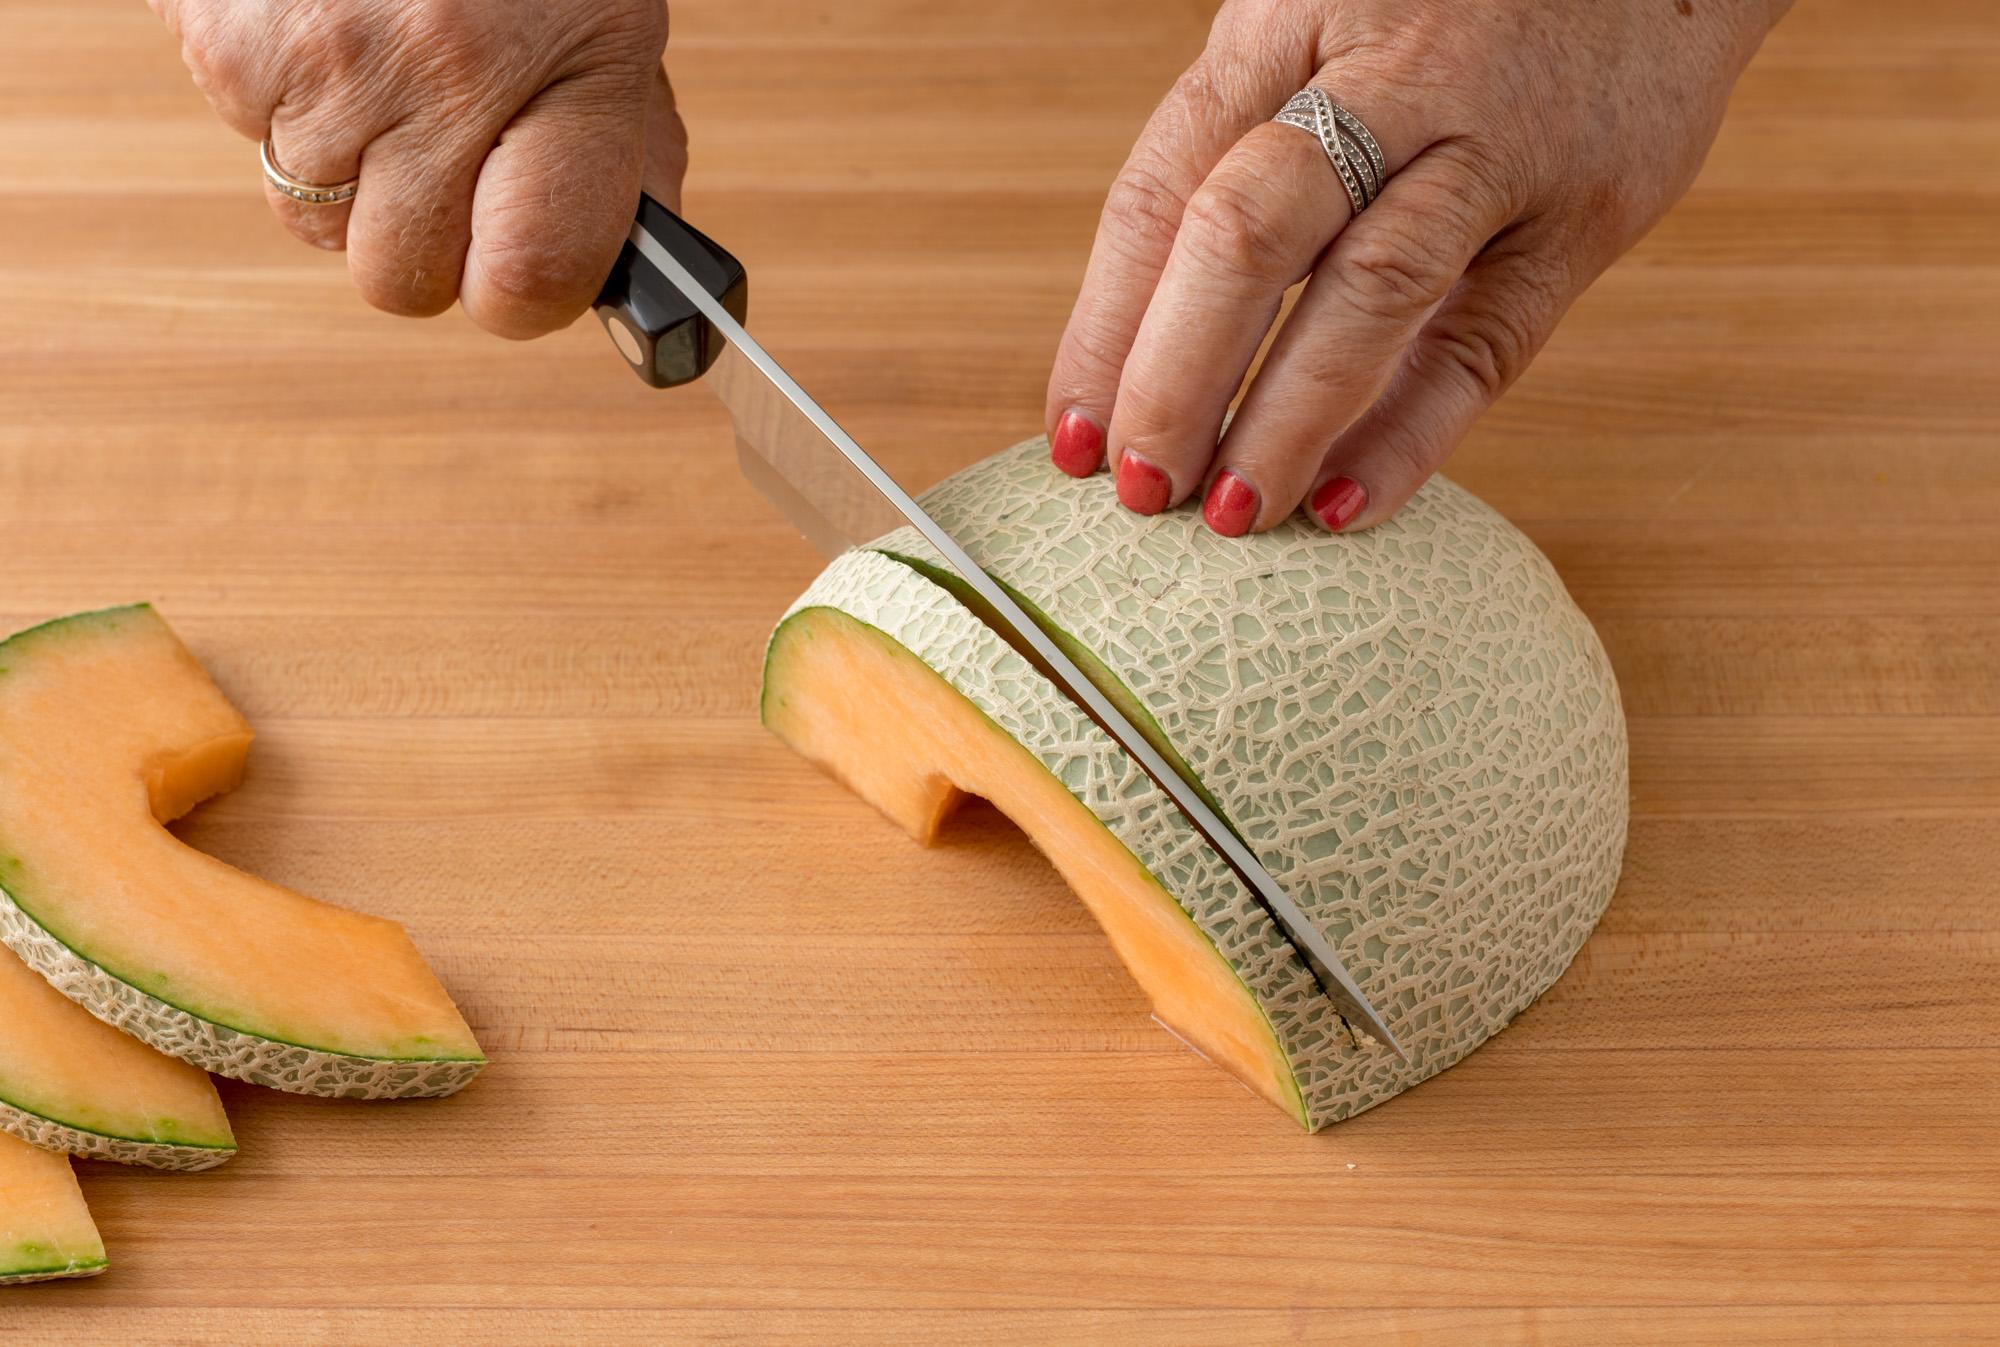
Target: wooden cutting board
pixel 763 1071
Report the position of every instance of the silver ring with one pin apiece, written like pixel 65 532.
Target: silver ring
pixel 311 193
pixel 1349 147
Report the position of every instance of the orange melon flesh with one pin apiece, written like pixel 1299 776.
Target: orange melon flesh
pixel 63 1065
pixel 109 729
pixel 45 1229
pixel 855 702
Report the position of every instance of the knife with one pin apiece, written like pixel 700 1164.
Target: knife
pixel 674 306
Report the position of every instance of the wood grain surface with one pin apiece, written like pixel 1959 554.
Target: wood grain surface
pixel 763 1071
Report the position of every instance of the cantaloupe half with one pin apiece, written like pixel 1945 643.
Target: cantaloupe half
pixel 69 1082
pixel 1415 728
pixel 45 1229
pixel 108 730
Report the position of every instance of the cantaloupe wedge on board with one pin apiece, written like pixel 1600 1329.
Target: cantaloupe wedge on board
pixel 109 729
pixel 69 1082
pixel 1414 728
pixel 45 1229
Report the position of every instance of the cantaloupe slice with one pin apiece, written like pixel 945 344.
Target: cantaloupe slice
pixel 863 701
pixel 1414 727
pixel 109 729
pixel 45 1229
pixel 69 1082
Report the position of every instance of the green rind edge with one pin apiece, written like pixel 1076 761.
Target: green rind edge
pixel 68 1271
pixel 88 615
pixel 53 1134
pixel 1100 674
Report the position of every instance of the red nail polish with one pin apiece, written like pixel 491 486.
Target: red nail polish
pixel 1338 501
pixel 1078 445
pixel 1142 488
pixel 1231 506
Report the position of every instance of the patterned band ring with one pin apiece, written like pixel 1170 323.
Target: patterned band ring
pixel 311 193
pixel 1349 147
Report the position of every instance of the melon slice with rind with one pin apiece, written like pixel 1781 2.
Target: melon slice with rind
pixel 1415 728
pixel 69 1082
pixel 108 730
pixel 45 1229
pixel 892 685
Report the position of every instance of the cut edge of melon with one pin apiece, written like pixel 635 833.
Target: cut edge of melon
pixel 1100 674
pixel 828 677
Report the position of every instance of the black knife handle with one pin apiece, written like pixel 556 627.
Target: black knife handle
pixel 654 326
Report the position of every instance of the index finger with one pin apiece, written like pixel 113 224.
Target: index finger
pixel 1207 111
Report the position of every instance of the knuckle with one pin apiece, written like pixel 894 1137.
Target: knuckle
pixel 326 46
pixel 442 55
pixel 1234 231
pixel 532 285
pixel 1091 353
pixel 637 27
pixel 523 275
pixel 1143 206
pixel 1487 179
pixel 1260 37
pixel 1417 452
pixel 1490 346
pixel 1476 351
pixel 1144 415
pixel 449 34
pixel 211 50
pixel 1195 87
pixel 1388 274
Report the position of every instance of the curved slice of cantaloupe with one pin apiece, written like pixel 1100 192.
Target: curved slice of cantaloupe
pixel 863 699
pixel 45 1229
pixel 109 729
pixel 69 1082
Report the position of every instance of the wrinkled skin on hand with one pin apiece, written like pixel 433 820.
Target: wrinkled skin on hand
pixel 500 144
pixel 1529 143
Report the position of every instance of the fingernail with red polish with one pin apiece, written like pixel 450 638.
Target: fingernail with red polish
pixel 1231 506
pixel 1142 488
pixel 1078 444
pixel 1338 501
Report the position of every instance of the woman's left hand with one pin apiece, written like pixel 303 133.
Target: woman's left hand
pixel 1528 143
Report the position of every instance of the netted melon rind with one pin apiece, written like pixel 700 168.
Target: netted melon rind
pixel 926 620
pixel 50 1135
pixel 213 1047
pixel 1415 727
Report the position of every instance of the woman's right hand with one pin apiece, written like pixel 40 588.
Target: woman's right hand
pixel 500 144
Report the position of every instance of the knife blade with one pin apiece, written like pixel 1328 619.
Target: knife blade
pixel 798 456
